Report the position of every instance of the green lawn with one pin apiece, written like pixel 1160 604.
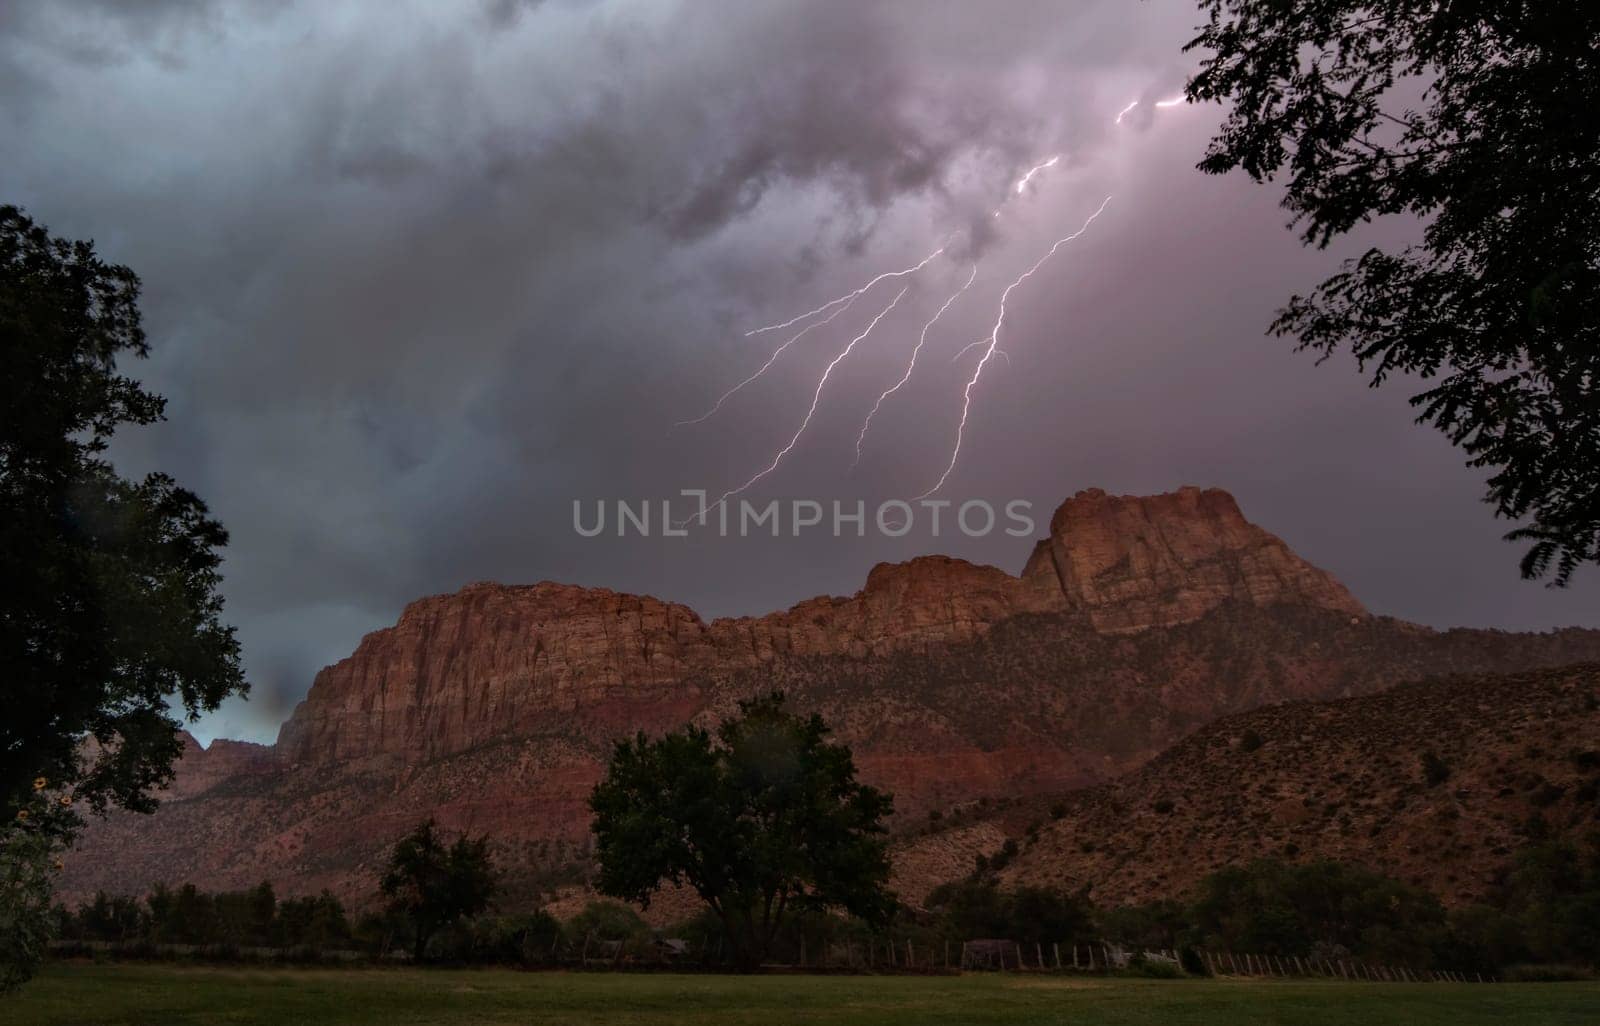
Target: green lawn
pixel 164 995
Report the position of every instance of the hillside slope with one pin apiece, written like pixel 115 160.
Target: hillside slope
pixel 1437 783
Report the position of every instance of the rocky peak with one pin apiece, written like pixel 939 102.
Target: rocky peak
pixel 1132 562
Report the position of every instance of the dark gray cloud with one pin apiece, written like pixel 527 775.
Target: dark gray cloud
pixel 419 277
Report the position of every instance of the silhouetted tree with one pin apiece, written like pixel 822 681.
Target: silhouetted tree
pixel 109 610
pixel 109 615
pixel 1477 117
pixel 433 885
pixel 764 819
pixel 1281 908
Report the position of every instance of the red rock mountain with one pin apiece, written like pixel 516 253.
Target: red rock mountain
pixel 1137 621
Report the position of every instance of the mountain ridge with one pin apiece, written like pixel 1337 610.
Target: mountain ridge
pixel 493 708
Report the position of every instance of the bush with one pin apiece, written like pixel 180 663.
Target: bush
pixel 26 921
pixel 523 940
pixel 607 921
pixel 1434 769
pixel 1154 970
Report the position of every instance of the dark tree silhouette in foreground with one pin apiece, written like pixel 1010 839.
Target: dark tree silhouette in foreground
pixel 764 819
pixel 109 612
pixel 1477 117
pixel 433 885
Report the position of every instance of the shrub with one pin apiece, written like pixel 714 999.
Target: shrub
pixel 1434 769
pixel 26 922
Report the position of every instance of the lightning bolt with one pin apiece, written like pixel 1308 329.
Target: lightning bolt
pixel 993 342
pixel 849 296
pixel 911 365
pixel 1022 183
pixel 1124 112
pixel 964 350
pixel 1175 101
pixel 766 366
pixel 816 398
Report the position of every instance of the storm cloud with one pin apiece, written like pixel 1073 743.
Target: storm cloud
pixel 419 276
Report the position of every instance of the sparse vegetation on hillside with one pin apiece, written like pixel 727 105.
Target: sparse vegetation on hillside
pixel 1438 783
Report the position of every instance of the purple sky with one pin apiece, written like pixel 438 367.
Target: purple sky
pixel 418 276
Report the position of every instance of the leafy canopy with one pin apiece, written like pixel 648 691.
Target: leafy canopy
pixel 433 885
pixel 1478 118
pixel 762 819
pixel 109 614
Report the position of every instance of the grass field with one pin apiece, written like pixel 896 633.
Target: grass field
pixel 164 995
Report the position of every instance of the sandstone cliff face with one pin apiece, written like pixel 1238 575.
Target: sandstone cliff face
pixel 493 660
pixel 496 660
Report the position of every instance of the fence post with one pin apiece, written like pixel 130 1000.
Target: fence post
pixel 1056 946
pixel 963 954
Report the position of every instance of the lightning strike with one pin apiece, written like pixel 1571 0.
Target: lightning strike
pixel 847 297
pixel 816 399
pixel 993 342
pixel 1022 183
pixel 964 350
pixel 1175 101
pixel 766 366
pixel 911 365
pixel 1124 112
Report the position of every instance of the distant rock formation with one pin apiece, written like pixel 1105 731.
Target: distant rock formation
pixel 492 660
pixel 1134 562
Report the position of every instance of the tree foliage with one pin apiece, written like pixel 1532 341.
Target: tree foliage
pixel 109 616
pixel 1285 909
pixel 762 819
pixel 1476 117
pixel 27 854
pixel 433 884
pixel 978 908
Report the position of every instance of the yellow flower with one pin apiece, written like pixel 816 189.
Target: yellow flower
pixel 40 783
pixel 60 865
pixel 66 799
pixel 22 815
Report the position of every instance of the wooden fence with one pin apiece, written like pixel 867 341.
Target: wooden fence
pixel 875 954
